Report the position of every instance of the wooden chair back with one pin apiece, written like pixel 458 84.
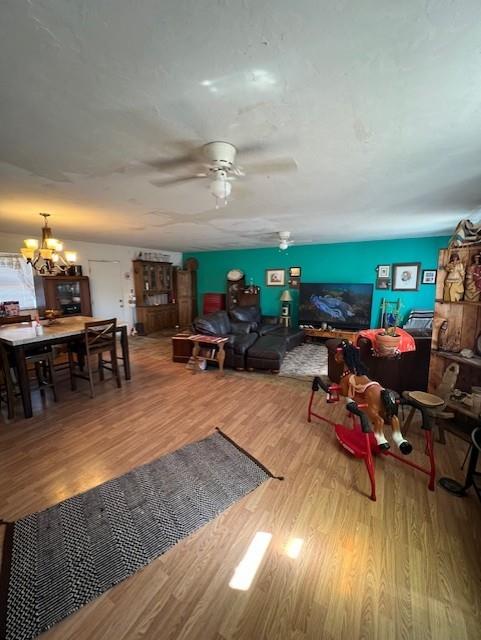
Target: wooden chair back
pixel 15 319
pixel 6 381
pixel 100 335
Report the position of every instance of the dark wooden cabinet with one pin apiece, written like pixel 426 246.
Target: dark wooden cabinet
pixel 186 296
pixel 154 295
pixel 70 295
pixel 158 317
pixel 240 295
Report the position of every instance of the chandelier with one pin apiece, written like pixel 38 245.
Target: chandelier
pixel 49 258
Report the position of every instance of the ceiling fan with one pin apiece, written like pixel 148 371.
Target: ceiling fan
pixel 217 161
pixel 284 240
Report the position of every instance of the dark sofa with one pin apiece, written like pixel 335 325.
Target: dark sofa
pixel 258 323
pixel 239 334
pixel 255 341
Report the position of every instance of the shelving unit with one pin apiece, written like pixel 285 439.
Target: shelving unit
pixel 463 320
pixel 70 295
pixel 154 294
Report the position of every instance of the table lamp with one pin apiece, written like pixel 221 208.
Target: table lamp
pixel 286 300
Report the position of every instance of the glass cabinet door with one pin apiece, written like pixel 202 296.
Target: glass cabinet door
pixel 68 297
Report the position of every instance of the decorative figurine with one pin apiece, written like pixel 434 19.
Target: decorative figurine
pixel 454 283
pixel 472 284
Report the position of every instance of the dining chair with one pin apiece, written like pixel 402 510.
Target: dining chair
pixel 99 338
pixel 7 385
pixel 44 373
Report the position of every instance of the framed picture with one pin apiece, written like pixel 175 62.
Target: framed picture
pixel 383 283
pixel 405 276
pixel 295 272
pixel 294 283
pixel 383 271
pixel 429 276
pixel 275 277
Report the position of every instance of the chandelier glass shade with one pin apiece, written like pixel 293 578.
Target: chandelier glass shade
pixel 47 257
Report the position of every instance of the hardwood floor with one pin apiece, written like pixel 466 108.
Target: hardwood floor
pixel 407 566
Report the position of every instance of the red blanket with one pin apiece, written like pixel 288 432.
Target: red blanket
pixel 406 344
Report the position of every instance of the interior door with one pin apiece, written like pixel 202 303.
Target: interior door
pixel 106 289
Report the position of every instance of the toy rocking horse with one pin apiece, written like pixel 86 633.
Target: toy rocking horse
pixel 370 407
pixel 380 405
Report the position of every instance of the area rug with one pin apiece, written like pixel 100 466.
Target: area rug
pixel 57 560
pixel 305 361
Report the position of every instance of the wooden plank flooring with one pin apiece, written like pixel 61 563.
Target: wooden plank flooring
pixel 405 567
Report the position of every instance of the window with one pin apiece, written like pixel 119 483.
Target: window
pixel 16 280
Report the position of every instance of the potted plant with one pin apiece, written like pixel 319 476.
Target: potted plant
pixel 387 340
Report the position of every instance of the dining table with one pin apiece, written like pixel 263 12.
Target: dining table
pixel 23 337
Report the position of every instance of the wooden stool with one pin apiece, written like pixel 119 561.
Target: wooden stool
pixel 433 404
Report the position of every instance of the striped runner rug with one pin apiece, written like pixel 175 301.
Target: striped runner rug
pixel 56 561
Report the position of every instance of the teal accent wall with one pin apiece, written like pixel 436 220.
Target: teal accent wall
pixel 353 262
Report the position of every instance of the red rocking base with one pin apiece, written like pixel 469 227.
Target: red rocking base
pixel 364 445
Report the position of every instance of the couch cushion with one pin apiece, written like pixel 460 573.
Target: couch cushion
pixel 293 337
pixel 246 314
pixel 213 324
pixel 268 348
pixel 264 329
pixel 241 343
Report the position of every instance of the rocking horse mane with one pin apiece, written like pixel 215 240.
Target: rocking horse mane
pixel 352 359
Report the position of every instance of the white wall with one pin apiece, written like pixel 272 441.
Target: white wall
pixel 11 243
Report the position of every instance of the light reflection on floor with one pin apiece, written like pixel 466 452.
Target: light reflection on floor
pixel 247 568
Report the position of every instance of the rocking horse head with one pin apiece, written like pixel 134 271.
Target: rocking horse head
pixel 350 356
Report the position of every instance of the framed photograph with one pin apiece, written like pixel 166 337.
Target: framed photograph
pixel 429 276
pixel 383 271
pixel 294 283
pixel 383 283
pixel 275 277
pixel 295 272
pixel 405 276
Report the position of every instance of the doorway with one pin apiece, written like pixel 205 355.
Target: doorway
pixel 106 289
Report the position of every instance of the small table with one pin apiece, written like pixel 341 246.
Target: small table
pixel 217 353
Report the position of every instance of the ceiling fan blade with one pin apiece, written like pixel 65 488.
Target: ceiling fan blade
pixel 276 165
pixel 165 182
pixel 250 147
pixel 164 164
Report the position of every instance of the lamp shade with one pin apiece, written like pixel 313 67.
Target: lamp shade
pixel 286 296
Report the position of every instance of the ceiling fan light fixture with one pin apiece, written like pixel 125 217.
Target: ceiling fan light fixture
pixel 283 245
pixel 221 190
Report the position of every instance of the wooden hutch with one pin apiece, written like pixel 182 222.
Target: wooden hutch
pixel 154 295
pixel 456 326
pixel 241 295
pixel 68 294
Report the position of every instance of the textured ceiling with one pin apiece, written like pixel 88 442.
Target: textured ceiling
pixel 378 102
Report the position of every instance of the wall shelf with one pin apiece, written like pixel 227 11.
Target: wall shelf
pixel 462 302
pixel 456 326
pixel 475 361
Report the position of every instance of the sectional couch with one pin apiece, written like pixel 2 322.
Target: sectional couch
pixel 255 341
